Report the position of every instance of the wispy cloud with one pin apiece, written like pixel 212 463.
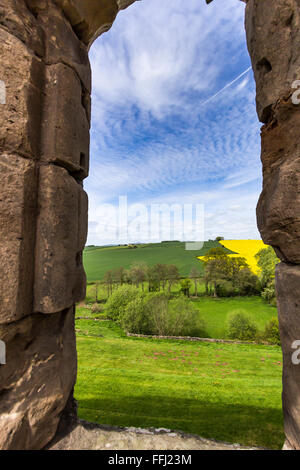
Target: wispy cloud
pixel 174 109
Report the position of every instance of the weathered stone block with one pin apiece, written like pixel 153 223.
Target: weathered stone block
pixel 83 219
pixel 20 117
pixel 278 210
pixel 273 43
pixel 65 127
pixel 88 19
pixel 288 299
pixel 279 138
pixel 17 18
pixel 61 229
pixel 17 236
pixel 62 44
pixel 37 379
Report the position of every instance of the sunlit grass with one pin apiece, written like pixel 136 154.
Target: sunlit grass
pixel 226 392
pixel 215 311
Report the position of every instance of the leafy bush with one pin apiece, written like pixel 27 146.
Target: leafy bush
pixel 269 293
pixel 135 318
pixel 271 332
pixel 157 310
pixel 97 308
pixel 273 302
pixel 155 314
pixel 184 319
pixel 117 302
pixel 226 289
pixel 240 326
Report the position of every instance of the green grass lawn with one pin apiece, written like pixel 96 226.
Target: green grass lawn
pixel 215 312
pixel 226 392
pixel 98 260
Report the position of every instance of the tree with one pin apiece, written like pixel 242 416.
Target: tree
pixel 138 274
pixel 195 274
pixel 119 275
pixel 209 269
pixel 108 280
pixel 185 286
pixel 243 279
pixel 96 289
pixel 237 264
pixel 229 275
pixel 215 253
pixel 127 278
pixel 267 261
pixel 153 279
pixel 218 239
pixel 216 271
pixel 162 273
pixel 172 275
pixel 246 282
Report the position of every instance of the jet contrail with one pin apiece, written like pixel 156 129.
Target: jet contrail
pixel 226 86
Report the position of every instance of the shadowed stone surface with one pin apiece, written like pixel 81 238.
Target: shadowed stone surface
pixel 66 136
pixel 288 281
pixel 62 44
pixel 17 236
pixel 36 381
pixel 61 235
pixel 273 37
pixel 20 119
pixel 88 436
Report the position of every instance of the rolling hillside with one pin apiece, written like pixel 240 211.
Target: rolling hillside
pixel 98 260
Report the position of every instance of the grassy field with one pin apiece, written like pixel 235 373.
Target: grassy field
pixel 226 392
pixel 215 312
pixel 98 260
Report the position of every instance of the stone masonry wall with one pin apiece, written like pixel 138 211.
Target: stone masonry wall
pixel 273 34
pixel 44 144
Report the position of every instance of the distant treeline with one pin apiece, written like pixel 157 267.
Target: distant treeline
pixel 223 276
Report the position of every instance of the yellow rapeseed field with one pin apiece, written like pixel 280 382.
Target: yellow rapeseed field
pixel 245 249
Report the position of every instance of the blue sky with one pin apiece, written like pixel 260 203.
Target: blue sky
pixel 159 134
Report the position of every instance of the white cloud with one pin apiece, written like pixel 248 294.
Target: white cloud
pixel 151 139
pixel 221 215
pixel 161 50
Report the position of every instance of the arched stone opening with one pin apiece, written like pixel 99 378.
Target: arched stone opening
pixel 44 138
